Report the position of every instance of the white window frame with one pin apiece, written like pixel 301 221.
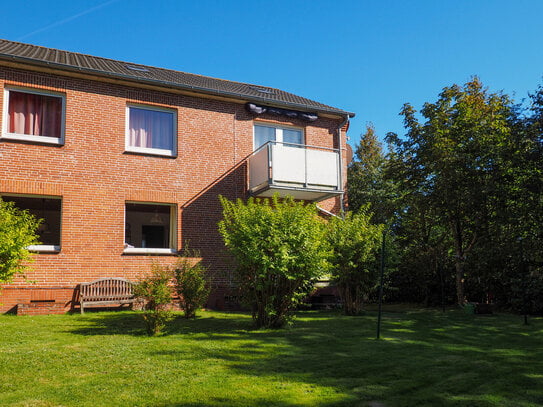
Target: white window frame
pixel 41 248
pixel 27 137
pixel 278 132
pixel 173 231
pixel 148 150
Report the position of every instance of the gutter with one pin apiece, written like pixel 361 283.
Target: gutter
pixel 175 85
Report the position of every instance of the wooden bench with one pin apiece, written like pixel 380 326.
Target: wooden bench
pixel 106 291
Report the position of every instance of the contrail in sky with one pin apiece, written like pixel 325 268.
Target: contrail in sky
pixel 68 19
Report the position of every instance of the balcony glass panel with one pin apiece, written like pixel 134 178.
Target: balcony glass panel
pixel 304 172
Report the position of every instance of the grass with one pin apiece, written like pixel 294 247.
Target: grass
pixel 425 358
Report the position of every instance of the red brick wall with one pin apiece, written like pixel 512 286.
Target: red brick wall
pixel 95 177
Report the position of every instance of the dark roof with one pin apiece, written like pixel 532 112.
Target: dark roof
pixel 72 61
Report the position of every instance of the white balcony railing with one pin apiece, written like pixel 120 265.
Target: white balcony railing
pixel 304 172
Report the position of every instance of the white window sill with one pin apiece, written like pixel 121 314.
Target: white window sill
pixel 44 248
pixel 34 139
pixel 143 250
pixel 151 151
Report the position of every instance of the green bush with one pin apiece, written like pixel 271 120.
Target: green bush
pixel 355 246
pixel 190 283
pixel 280 250
pixel 17 232
pixel 156 293
pixel 526 292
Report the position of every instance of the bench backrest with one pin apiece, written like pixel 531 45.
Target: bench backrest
pixel 107 288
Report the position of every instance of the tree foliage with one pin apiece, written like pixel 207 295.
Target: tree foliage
pixel 452 161
pixel 190 283
pixel 355 246
pixel 280 250
pixel 467 182
pixel 17 232
pixel 367 181
pixel 156 293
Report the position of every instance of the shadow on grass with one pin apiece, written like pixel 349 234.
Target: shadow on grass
pixel 220 401
pixel 424 359
pixel 106 323
pixel 132 323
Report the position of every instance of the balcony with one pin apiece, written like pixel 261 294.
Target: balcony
pixel 304 172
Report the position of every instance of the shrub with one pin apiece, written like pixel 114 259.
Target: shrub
pixel 526 293
pixel 17 232
pixel 355 244
pixel 156 293
pixel 280 250
pixel 190 283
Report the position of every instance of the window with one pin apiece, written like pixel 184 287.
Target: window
pixel 150 228
pixel 49 210
pixel 263 134
pixel 150 130
pixel 33 116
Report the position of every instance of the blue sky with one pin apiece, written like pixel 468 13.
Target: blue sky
pixel 368 57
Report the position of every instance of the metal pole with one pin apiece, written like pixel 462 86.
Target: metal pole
pixel 442 287
pixel 524 285
pixel 382 272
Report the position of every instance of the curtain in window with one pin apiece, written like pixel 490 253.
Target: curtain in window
pixel 263 134
pixel 36 115
pixel 292 136
pixel 151 129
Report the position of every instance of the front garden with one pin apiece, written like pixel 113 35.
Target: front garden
pixel 425 358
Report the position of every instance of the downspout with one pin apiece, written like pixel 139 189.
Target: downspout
pixel 342 195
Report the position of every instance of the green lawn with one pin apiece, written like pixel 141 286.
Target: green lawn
pixel 426 358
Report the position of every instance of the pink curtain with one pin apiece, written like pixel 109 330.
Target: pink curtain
pixel 151 129
pixel 36 115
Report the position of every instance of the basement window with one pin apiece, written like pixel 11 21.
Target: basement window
pixel 34 116
pixel 150 228
pixel 49 210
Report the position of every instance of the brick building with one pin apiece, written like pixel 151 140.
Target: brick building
pixel 125 163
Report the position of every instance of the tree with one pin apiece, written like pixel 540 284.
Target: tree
pixel 452 163
pixel 17 232
pixel 355 244
pixel 280 250
pixel 523 217
pixel 366 179
pixel 467 197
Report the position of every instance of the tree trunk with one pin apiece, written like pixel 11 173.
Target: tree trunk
pixel 459 266
pixel 459 260
pixel 351 297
